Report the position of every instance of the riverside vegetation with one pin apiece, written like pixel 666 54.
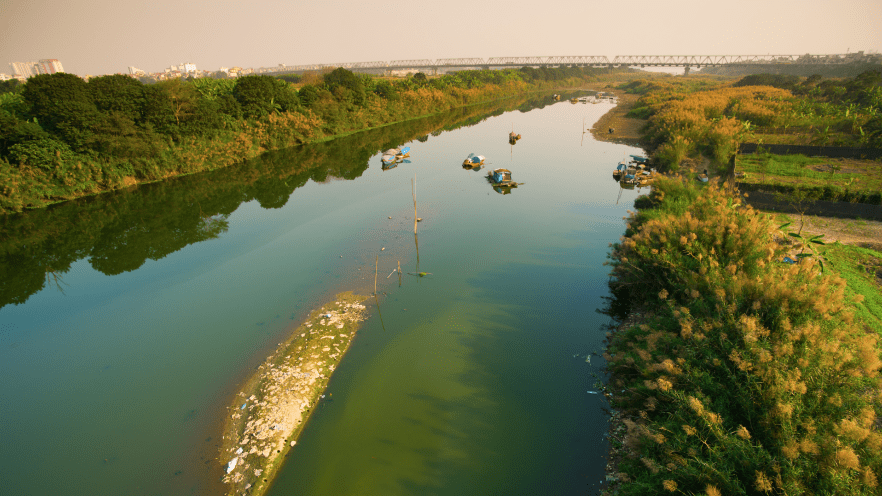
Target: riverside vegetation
pixel 38 247
pixel 745 375
pixel 62 137
pixel 701 115
pixel 736 373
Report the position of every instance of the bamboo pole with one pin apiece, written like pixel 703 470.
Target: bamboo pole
pixel 413 192
pixel 399 273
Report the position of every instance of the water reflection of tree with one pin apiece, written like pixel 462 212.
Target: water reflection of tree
pixel 119 231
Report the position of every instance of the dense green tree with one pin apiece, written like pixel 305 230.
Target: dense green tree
pixel 181 96
pixel 13 131
pixel 290 78
pixel 260 95
pixel 159 114
pixel 353 88
pixel 10 86
pixel 51 98
pixel 120 94
pixel 384 89
pixel 309 94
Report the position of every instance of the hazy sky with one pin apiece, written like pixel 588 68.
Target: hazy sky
pixel 107 36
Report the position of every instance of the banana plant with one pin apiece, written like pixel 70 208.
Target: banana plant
pixel 806 243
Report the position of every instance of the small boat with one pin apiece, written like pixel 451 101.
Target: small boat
pixel 555 97
pixel 473 160
pixel 403 153
pixel 703 177
pixel 388 159
pixel 630 175
pixel 639 159
pixel 501 177
pixel 621 169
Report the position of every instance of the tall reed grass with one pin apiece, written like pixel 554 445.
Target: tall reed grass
pixel 748 376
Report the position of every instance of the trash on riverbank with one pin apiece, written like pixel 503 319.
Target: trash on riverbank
pixel 260 432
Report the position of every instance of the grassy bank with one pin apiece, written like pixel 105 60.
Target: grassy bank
pixel 821 178
pixel 694 117
pixel 743 374
pixel 269 412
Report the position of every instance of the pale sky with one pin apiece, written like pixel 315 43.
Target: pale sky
pixel 107 36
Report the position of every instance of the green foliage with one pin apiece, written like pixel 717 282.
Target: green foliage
pixel 13 131
pixel 345 85
pixel 261 95
pixel 10 86
pixel 52 98
pixel 113 130
pixel 862 269
pixel 386 91
pixel 750 376
pixel 13 103
pixel 213 89
pixel 290 78
pixel 783 81
pixel 45 153
pixel 118 94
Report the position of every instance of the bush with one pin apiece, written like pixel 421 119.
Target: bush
pixel 749 377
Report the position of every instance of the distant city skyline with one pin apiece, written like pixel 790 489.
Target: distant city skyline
pixel 104 37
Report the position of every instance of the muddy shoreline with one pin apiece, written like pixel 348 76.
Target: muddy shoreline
pixel 269 411
pixel 626 130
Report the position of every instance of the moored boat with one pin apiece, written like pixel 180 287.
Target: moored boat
pixel 473 160
pixel 501 178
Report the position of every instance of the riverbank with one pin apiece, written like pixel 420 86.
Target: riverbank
pixel 717 317
pixel 269 412
pixel 34 182
pixel 626 130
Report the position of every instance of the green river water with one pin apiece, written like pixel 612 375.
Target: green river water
pixel 129 319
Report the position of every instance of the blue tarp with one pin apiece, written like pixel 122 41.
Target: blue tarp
pixel 404 151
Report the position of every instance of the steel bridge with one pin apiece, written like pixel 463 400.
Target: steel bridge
pixel 697 61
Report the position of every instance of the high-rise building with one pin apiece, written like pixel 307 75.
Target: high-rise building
pixel 44 66
pixel 50 66
pixel 25 69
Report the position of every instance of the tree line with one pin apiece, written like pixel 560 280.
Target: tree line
pixel 62 136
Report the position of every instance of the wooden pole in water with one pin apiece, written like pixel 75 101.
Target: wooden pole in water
pixel 376 269
pixel 399 273
pixel 413 192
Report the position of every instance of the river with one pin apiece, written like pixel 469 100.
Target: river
pixel 129 319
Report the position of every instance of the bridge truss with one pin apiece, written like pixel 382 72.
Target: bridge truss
pixel 577 60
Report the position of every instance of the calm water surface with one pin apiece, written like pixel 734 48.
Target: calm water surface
pixel 129 319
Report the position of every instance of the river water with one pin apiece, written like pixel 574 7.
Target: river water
pixel 129 319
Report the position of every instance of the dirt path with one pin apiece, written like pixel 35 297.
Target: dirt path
pixel 857 232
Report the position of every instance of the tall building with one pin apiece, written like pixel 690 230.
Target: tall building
pixel 25 69
pixel 44 66
pixel 50 66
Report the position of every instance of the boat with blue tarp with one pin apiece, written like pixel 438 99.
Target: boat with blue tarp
pixel 473 160
pixel 501 178
pixel 639 159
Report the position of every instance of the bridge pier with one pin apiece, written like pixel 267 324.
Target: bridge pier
pixel 686 71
